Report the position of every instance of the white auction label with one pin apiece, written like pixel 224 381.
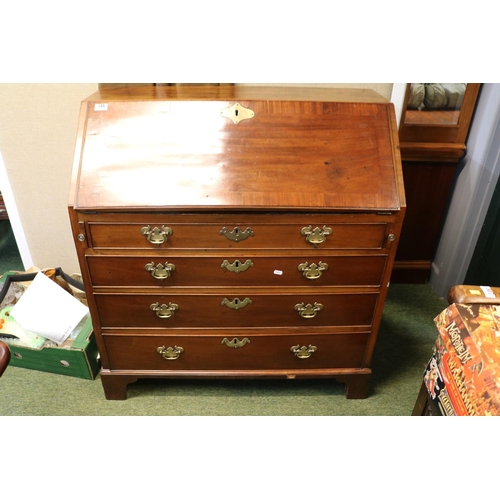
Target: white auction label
pixel 488 292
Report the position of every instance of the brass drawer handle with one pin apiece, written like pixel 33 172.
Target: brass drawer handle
pixel 236 303
pixel 308 311
pixel 236 234
pixel 164 311
pixel 313 271
pixel 235 342
pixel 155 235
pixel 316 236
pixel 170 353
pixel 160 271
pixel 303 352
pixel 237 266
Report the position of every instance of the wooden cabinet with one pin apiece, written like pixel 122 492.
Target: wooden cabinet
pixel 432 141
pixel 236 231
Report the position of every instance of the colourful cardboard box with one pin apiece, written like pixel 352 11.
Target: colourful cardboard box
pixel 468 357
pixel 438 390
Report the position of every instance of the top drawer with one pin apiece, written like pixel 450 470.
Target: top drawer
pixel 167 235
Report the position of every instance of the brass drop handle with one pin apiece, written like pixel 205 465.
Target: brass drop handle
pixel 157 236
pixel 160 271
pixel 236 234
pixel 170 353
pixel 316 236
pixel 235 342
pixel 313 271
pixel 303 352
pixel 164 311
pixel 237 266
pixel 236 303
pixel 308 311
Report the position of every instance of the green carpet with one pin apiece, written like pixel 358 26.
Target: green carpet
pixel 405 345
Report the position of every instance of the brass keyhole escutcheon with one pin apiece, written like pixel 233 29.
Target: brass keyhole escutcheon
pixel 303 352
pixel 170 353
pixel 164 311
pixel 237 113
pixel 235 342
pixel 316 236
pixel 157 236
pixel 236 234
pixel 237 266
pixel 160 271
pixel 308 311
pixel 313 271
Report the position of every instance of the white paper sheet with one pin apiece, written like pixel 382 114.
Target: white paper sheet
pixel 47 309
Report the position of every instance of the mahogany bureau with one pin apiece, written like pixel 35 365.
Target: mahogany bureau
pixel 236 231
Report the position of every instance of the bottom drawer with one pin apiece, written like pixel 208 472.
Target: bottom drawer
pixel 235 352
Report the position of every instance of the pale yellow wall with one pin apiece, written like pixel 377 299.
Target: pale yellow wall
pixel 38 124
pixel 384 89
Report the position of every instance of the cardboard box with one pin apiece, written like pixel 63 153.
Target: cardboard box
pixel 438 390
pixel 76 357
pixel 468 357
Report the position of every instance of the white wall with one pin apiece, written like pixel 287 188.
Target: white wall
pixel 37 139
pixel 15 220
pixel 475 181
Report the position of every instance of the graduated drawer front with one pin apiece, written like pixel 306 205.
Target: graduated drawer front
pixel 201 236
pixel 210 353
pixel 254 310
pixel 310 270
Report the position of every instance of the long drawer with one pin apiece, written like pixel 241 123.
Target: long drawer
pixel 178 271
pixel 233 352
pixel 325 234
pixel 200 310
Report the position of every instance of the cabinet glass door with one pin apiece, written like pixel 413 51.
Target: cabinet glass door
pixel 437 112
pixel 434 103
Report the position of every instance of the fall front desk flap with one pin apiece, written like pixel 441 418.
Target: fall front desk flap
pixel 220 151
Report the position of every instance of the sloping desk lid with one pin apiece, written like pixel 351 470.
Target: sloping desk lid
pixel 298 149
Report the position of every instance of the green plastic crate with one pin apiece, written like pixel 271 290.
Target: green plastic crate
pixel 77 358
